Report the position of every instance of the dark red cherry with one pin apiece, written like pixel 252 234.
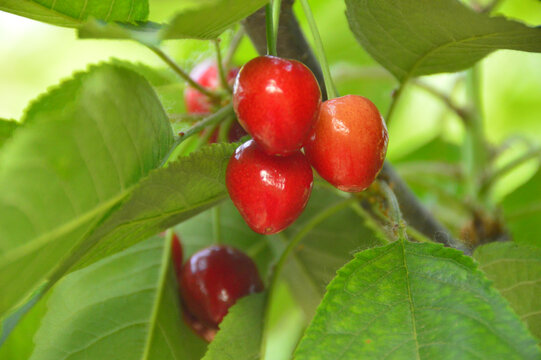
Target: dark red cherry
pixel 214 278
pixel 206 75
pixel 270 192
pixel 176 254
pixel 348 144
pixel 276 101
pixel 236 132
pixel 203 331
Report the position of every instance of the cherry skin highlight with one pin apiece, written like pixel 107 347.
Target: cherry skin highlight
pixel 213 279
pixel 270 192
pixel 348 144
pixel 276 100
pixel 205 74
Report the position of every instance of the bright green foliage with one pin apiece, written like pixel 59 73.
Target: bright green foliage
pixel 73 13
pixel 421 37
pixel 240 332
pixel 166 197
pixel 84 145
pixel 326 247
pixel 126 304
pixel 208 19
pixel 414 301
pixel 522 212
pixel 198 232
pixel 7 128
pixel 195 20
pixel 516 273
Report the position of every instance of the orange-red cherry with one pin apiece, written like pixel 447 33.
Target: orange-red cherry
pixel 276 100
pixel 348 144
pixel 205 74
pixel 213 279
pixel 270 192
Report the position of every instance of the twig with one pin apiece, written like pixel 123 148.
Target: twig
pixel 177 69
pixel 219 64
pixel 497 174
pixel 462 113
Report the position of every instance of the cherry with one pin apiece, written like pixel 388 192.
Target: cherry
pixel 276 101
pixel 213 279
pixel 236 132
pixel 205 74
pixel 270 192
pixel 347 146
pixel 176 254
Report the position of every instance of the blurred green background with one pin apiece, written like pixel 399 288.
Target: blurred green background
pixel 35 56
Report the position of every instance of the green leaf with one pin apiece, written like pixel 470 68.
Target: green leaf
pixel 240 332
pixel 126 305
pixel 73 13
pixel 209 18
pixel 516 273
pixel 83 147
pixel 414 301
pixel 522 211
pixel 420 37
pixel 7 128
pixel 16 343
pixel 197 19
pixel 166 197
pixel 326 247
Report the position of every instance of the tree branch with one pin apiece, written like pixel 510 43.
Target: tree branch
pixel 292 44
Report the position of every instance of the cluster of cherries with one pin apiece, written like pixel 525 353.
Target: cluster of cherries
pixel 210 282
pixel 278 102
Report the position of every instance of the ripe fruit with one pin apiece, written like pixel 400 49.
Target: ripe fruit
pixel 276 101
pixel 348 144
pixel 213 279
pixel 270 192
pixel 176 254
pixel 235 133
pixel 206 75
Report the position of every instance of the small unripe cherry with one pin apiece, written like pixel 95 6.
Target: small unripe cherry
pixel 205 74
pixel 276 100
pixel 348 144
pixel 214 278
pixel 270 192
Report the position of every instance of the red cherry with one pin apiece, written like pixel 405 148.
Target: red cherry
pixel 202 330
pixel 348 144
pixel 206 75
pixel 214 278
pixel 270 192
pixel 176 254
pixel 276 101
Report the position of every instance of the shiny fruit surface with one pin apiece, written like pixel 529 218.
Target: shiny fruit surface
pixel 348 144
pixel 214 278
pixel 276 100
pixel 270 192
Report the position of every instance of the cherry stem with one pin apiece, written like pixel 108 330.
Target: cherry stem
pixel 233 46
pixel 285 254
pixel 224 129
pixel 271 41
pixel 320 52
pixel 395 213
pixel 213 119
pixel 220 65
pixel 276 6
pixel 178 70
